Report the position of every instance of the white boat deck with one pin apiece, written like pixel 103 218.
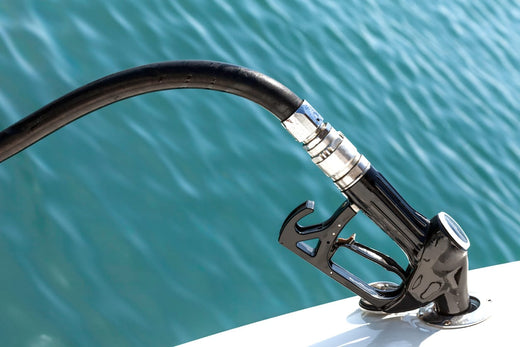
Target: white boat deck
pixel 342 323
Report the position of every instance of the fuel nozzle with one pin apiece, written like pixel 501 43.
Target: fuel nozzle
pixel 436 249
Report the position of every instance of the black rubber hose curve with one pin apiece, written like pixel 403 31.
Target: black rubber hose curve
pixel 183 74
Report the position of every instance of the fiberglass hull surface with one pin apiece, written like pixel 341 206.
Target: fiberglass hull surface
pixel 343 323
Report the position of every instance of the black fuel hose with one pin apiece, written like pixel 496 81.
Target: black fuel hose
pixel 183 74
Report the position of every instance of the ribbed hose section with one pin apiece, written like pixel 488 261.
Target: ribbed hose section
pixel 185 74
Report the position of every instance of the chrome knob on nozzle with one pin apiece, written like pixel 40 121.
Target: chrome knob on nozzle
pixel 437 260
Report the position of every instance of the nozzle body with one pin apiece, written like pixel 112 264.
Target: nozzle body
pixel 355 177
pixel 378 199
pixel 436 249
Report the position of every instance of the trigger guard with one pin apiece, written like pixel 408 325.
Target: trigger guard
pixel 292 236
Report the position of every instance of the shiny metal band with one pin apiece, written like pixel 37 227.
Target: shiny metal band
pixel 329 149
pixel 303 123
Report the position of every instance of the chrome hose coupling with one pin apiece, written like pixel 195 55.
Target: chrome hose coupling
pixel 329 149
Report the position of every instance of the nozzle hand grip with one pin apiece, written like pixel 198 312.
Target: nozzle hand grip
pixel 376 197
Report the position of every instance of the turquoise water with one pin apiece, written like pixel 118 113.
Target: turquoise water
pixel 154 221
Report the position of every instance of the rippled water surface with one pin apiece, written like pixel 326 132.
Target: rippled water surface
pixel 155 220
